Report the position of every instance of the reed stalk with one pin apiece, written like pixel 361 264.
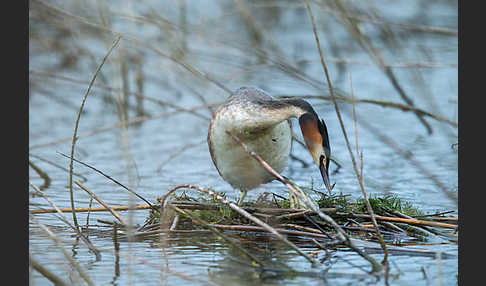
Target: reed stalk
pixel 110 209
pixel 73 144
pixel 376 268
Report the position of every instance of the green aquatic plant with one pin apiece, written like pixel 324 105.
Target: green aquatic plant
pixel 389 202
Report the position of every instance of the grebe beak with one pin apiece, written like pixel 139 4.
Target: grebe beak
pixel 316 139
pixel 323 167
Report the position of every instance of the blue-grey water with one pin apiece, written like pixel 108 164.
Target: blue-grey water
pixel 269 44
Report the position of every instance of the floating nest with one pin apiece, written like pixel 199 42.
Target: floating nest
pixel 399 221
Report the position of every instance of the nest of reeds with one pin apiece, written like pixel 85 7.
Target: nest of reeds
pixel 399 221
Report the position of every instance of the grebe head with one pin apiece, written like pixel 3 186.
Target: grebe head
pixel 315 136
pixel 313 130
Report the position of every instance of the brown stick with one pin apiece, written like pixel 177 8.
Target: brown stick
pixel 341 235
pixel 47 180
pixel 60 245
pixel 109 177
pixel 408 221
pixel 73 143
pixel 376 267
pixel 110 209
pixel 98 209
pixel 184 205
pixel 246 215
pixel 66 221
pixel 46 272
pixel 207 225
pixel 138 42
pixel 261 229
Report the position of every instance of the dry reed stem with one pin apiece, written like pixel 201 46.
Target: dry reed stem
pixel 403 107
pixel 376 268
pixel 309 204
pixel 246 215
pixel 355 121
pixel 46 272
pixel 178 152
pixel 116 246
pixel 300 228
pixel 362 243
pixel 207 225
pixel 110 178
pixel 66 221
pixel 175 222
pixel 391 212
pixel 58 243
pixel 359 175
pixel 439 218
pixel 137 95
pixel 368 46
pixel 190 205
pixel 109 127
pixel 42 174
pixel 382 103
pixel 73 144
pixel 88 209
pixel 168 270
pixel 411 221
pixel 372 20
pixel 110 209
pixel 57 165
pixel 138 42
pixel 253 228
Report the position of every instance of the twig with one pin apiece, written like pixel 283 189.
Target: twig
pixel 376 268
pixel 66 221
pixel 207 225
pixel 58 243
pixel 137 95
pixel 294 215
pixel 246 215
pixel 175 222
pixel 403 107
pixel 112 126
pixel 299 227
pixel 367 45
pixel 138 42
pixel 409 157
pixel 253 228
pixel 399 214
pixel 341 235
pixel 169 270
pixel 406 220
pixel 359 175
pixel 115 43
pixel 116 245
pixel 111 210
pixel 57 165
pixel 115 181
pixel 179 152
pixel 46 272
pixel 42 174
pixel 97 209
pixel 188 205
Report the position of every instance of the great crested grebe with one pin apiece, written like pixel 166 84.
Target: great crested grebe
pixel 262 122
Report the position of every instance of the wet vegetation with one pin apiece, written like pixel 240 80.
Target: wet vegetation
pixel 351 214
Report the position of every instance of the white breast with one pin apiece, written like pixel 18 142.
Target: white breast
pixel 233 163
